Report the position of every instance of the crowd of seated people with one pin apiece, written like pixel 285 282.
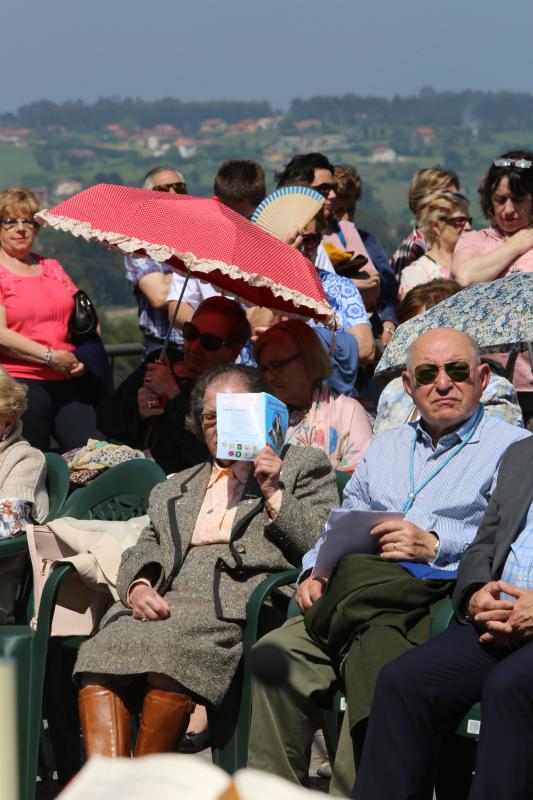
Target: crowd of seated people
pixel 424 451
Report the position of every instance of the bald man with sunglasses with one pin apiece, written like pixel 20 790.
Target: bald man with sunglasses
pixel 439 473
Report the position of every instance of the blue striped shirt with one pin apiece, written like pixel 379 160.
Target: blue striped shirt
pixel 453 502
pixel 518 568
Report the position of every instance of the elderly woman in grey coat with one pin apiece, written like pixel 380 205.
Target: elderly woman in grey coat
pixel 216 531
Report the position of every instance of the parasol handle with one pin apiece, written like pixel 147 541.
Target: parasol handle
pixel 164 349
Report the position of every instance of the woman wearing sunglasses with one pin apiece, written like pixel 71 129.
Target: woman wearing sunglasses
pixel 506 195
pixel 443 216
pixel 148 409
pixel 36 304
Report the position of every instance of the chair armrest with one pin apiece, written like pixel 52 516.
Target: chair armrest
pixel 13 545
pixel 442 618
pixel 256 600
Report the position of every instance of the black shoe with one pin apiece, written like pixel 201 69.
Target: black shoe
pixel 194 742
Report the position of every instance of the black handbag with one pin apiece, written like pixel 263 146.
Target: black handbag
pixel 84 320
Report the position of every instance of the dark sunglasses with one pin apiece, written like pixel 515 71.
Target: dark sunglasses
pixel 457 371
pixel 325 188
pixel 26 222
pixel 311 239
pixel 179 187
pixel 208 341
pixel 457 222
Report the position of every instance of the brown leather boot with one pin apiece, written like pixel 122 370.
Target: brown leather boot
pixel 105 722
pixel 164 720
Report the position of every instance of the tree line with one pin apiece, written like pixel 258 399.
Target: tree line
pixel 77 115
pixel 431 108
pixel 428 107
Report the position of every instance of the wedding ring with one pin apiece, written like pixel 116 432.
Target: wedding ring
pixel 395 545
pixel 151 403
pixel 143 619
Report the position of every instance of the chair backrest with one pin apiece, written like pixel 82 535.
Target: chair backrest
pixel 57 483
pixel 342 479
pixel 120 493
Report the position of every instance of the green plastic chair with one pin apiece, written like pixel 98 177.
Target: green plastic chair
pixel 21 643
pixel 232 754
pixel 57 484
pixel 119 493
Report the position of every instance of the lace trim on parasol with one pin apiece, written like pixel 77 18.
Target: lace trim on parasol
pixel 161 253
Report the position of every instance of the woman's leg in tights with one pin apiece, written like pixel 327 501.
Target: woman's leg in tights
pixel 37 420
pixel 75 418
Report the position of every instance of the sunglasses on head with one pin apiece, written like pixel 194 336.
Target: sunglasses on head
pixel 457 371
pixel 178 187
pixel 457 222
pixel 518 163
pixel 208 341
pixel 325 188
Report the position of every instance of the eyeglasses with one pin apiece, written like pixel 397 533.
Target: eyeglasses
pixel 311 240
pixel 208 341
pixel 277 366
pixel 519 163
pixel 457 222
pixel 457 371
pixel 208 419
pixel 178 187
pixel 325 188
pixel 26 222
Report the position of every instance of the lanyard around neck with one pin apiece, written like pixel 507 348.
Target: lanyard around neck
pixel 413 492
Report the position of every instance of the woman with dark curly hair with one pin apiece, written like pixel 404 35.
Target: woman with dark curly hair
pixel 506 195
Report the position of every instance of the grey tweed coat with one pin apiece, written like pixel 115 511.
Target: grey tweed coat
pixel 207 587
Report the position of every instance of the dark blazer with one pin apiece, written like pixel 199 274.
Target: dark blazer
pixel 172 446
pixel 484 559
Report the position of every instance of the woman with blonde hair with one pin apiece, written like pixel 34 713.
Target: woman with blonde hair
pixel 23 497
pixel 424 182
pixel 36 304
pixel 296 363
pixel 442 216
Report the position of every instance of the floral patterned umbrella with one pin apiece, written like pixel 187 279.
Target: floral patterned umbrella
pixel 200 237
pixel 498 315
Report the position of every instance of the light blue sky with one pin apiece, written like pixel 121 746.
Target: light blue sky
pixel 257 49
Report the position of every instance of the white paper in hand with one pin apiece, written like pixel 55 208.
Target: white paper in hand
pixel 247 422
pixel 349 533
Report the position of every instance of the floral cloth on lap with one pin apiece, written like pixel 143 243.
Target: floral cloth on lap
pixel 335 423
pixel 14 515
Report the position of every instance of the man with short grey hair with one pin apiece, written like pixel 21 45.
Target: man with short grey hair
pixel 165 179
pixel 150 280
pixel 438 473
